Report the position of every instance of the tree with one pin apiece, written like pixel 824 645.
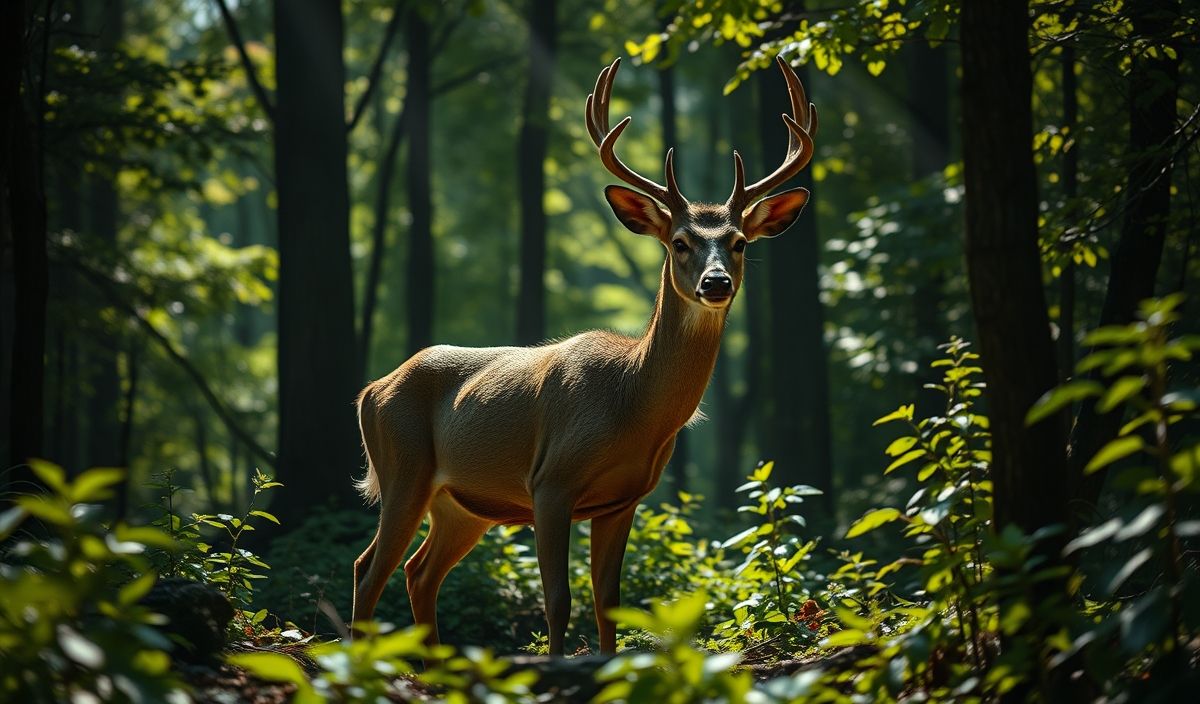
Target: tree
pixel 531 174
pixel 22 187
pixel 798 439
pixel 1004 264
pixel 318 371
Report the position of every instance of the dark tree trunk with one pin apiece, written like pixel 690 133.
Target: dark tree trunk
pixel 1154 86
pixel 531 175
pixel 929 91
pixel 1004 264
pixel 1005 272
pixel 420 283
pixel 799 385
pixel 25 193
pixel 677 470
pixel 103 405
pixel 318 369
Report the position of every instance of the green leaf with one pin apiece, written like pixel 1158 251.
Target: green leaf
pixel 49 510
pixel 131 593
pixel 93 484
pixel 872 520
pixel 900 445
pixel 273 667
pixel 1113 451
pixel 1120 392
pixel 904 459
pixel 51 475
pixel 1186 463
pixel 848 637
pixel 901 413
pixel 1055 399
pixel 10 519
pixel 264 514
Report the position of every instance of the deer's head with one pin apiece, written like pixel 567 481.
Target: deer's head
pixel 705 242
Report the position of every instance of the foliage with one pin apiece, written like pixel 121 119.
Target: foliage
pixel 773 565
pixel 676 671
pixel 230 567
pixel 71 627
pixel 380 665
pixel 1145 597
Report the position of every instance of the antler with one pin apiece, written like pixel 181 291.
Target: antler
pixel 802 125
pixel 596 113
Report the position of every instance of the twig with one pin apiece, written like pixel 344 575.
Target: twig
pixel 235 36
pixel 377 67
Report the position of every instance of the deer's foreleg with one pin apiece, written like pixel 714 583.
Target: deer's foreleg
pixel 552 531
pixel 609 534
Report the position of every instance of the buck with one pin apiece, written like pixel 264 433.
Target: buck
pixel 573 430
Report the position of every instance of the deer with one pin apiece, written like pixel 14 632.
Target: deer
pixel 574 430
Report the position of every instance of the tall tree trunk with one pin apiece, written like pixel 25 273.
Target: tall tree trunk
pixel 27 212
pixel 1004 263
pixel 318 370
pixel 677 470
pixel 383 207
pixel 103 405
pixel 929 101
pixel 1153 90
pixel 531 174
pixel 799 383
pixel 420 281
pixel 1005 272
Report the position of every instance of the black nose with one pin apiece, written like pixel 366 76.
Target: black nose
pixel 716 285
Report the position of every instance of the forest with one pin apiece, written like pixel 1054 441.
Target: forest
pixel 948 442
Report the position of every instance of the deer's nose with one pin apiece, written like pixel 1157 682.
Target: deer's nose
pixel 716 284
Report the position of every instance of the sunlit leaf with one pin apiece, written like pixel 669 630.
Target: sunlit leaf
pixel 872 520
pixel 1113 451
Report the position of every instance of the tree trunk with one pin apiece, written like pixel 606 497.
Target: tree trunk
pixel 531 175
pixel 27 212
pixel 1005 273
pixel 420 283
pixel 318 371
pixel 1004 264
pixel 1070 181
pixel 103 405
pixel 799 383
pixel 1153 88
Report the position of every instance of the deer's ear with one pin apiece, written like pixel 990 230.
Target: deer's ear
pixel 639 213
pixel 771 216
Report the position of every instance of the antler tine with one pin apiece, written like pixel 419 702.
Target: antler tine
pixel 596 116
pixel 800 144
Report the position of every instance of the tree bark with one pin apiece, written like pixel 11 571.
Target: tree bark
pixel 420 282
pixel 531 175
pixel 318 370
pixel 1154 87
pixel 799 428
pixel 1004 264
pixel 22 180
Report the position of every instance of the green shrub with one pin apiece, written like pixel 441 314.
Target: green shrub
pixel 70 624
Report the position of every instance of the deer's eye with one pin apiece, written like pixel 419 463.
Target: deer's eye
pixel 739 246
pixel 679 244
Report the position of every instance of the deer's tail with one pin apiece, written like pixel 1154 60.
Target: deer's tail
pixel 368 486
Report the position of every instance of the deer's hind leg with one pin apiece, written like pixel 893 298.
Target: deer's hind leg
pixel 453 532
pixel 406 487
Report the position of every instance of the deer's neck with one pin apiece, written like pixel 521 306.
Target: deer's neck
pixel 674 360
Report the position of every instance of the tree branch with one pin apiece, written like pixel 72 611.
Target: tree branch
pixel 106 287
pixel 377 67
pixel 235 36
